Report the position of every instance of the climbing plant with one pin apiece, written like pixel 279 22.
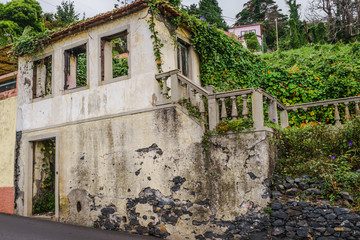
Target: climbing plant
pixel 30 42
pixel 44 202
pixel 157 44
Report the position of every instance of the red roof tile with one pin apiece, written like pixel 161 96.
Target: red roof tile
pixel 111 15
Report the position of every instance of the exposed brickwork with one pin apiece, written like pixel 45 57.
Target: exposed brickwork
pixel 7 200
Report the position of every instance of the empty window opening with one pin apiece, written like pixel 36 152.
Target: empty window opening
pixel 42 75
pixel 75 67
pixel 8 85
pixel 43 187
pixel 78 206
pixel 183 58
pixel 114 56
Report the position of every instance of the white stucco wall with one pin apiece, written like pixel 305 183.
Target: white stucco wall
pixel 255 27
pixel 98 99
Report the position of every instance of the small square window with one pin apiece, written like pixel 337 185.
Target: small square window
pixel 42 77
pixel 114 56
pixel 183 58
pixel 75 67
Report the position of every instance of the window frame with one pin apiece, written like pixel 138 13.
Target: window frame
pixel 69 47
pixel 117 30
pixel 52 76
pixel 184 41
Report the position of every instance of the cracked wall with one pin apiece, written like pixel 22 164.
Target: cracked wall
pixel 147 173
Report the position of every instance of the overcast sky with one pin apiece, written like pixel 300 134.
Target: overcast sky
pixel 94 7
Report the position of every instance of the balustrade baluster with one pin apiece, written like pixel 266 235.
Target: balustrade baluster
pixel 213 107
pixel 234 112
pixel 272 111
pixel 347 113
pixel 186 91
pixel 245 111
pixel 165 87
pixel 193 96
pixel 223 109
pixel 202 107
pixel 357 110
pixel 337 116
pixel 284 118
pixel 257 110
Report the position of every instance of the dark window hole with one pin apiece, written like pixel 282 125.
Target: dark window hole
pixel 78 206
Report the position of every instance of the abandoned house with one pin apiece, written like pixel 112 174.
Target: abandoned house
pixel 100 143
pixel 8 100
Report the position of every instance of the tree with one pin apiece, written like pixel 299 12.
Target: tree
pixel 64 16
pixel 263 11
pixel 66 13
pixel 16 15
pixel 122 3
pixel 297 31
pixel 294 34
pixel 342 18
pixel 210 11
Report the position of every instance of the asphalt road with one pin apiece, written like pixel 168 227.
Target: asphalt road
pixel 21 228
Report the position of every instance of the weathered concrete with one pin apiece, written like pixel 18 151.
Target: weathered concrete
pixel 146 173
pixel 97 98
pixel 124 164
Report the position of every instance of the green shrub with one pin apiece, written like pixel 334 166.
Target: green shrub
pixel 252 42
pixel 234 125
pixel 327 152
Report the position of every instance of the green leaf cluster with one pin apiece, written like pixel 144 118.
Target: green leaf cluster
pixel 15 16
pixel 44 201
pixel 330 153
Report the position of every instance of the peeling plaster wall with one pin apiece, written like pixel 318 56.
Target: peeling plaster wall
pixel 125 164
pixel 147 173
pixel 7 149
pixel 99 99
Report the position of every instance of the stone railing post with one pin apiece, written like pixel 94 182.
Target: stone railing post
pixel 347 112
pixel 245 111
pixel 357 110
pixel 284 119
pixel 272 111
pixel 175 88
pixel 257 110
pixel 213 106
pixel 337 115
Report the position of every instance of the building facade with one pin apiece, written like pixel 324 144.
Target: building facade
pixel 100 142
pixel 8 106
pixel 240 31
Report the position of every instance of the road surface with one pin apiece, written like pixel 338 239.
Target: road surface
pixel 21 228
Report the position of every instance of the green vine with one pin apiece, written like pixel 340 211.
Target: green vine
pixel 45 201
pixel 30 43
pixel 157 44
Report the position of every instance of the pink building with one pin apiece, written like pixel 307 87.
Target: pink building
pixel 240 31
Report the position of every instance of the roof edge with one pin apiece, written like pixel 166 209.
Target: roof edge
pixel 138 5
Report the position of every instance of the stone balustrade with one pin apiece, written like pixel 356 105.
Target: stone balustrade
pixel 235 104
pixel 335 103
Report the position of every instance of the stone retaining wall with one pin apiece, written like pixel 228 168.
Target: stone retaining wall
pixel 311 218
